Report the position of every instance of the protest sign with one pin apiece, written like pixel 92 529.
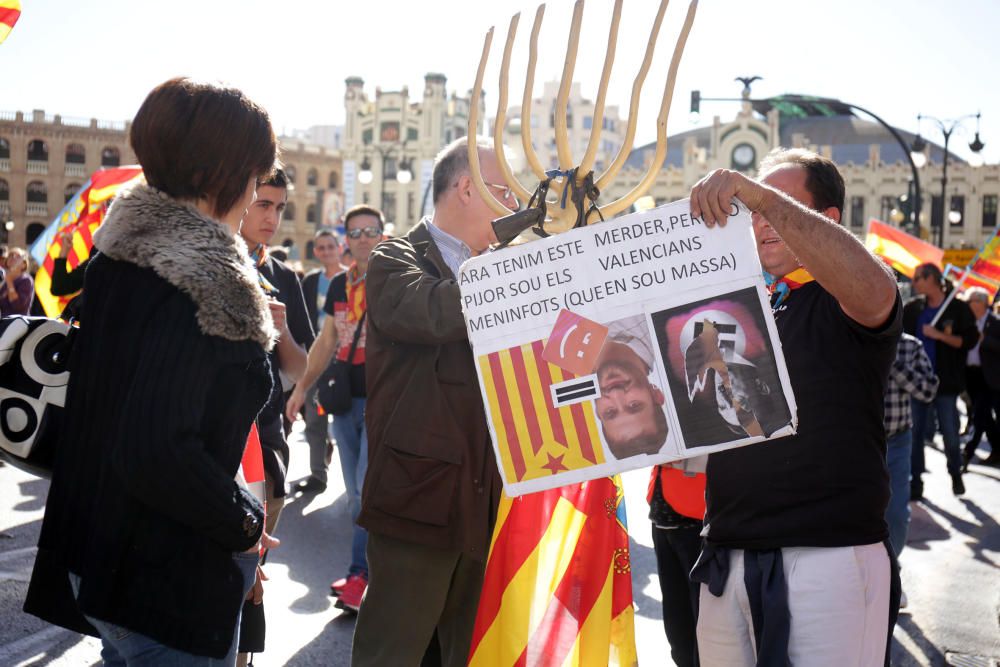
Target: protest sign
pixel 626 343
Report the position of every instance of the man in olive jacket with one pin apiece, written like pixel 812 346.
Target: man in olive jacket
pixel 431 494
pixel 947 343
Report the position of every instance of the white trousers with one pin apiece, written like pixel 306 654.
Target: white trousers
pixel 838 599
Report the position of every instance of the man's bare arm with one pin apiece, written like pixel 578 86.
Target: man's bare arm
pixel 319 357
pixel 862 285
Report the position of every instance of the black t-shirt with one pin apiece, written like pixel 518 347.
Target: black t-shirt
pixel 827 485
pixel 336 306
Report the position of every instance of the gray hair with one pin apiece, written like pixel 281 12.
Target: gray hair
pixel 977 294
pixel 453 162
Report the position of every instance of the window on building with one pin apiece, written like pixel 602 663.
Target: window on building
pixel 289 211
pixel 312 177
pixel 937 214
pixel 37 193
pixel 365 198
pixel 411 134
pixel 310 254
pixel 333 180
pixel 70 191
pixel 956 212
pixel 989 211
pixel 389 206
pixel 4 190
pixel 75 154
pixel 111 157
pixel 411 204
pixel 311 213
pixel 857 212
pixel 38 150
pixel 886 204
pixel 290 172
pixel 33 231
pixel 366 136
pixel 588 122
pixel 4 149
pixel 389 168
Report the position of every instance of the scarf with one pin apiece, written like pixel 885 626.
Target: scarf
pixel 356 302
pixel 259 257
pixel 780 288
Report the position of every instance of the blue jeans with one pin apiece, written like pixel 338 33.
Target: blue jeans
pixel 352 442
pixel 897 514
pixel 121 647
pixel 946 408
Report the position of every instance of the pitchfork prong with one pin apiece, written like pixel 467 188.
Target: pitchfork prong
pixel 595 131
pixel 529 83
pixel 649 177
pixel 633 111
pixel 501 120
pixel 477 178
pixel 562 101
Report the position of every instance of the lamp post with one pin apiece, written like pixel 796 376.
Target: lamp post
pixel 947 127
pixel 404 172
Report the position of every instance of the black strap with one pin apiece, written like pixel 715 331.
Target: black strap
pixel 357 335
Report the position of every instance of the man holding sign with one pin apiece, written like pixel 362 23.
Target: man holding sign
pixel 804 514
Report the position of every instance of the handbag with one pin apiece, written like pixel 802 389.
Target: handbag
pixel 34 374
pixel 334 386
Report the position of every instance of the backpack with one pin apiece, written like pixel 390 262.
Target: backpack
pixel 34 375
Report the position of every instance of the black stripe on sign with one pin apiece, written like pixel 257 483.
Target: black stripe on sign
pixel 579 394
pixel 569 388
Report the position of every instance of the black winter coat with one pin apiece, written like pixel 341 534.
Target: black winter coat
pixel 167 374
pixel 958 319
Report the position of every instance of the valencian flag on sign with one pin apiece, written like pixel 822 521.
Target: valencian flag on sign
pixel 987 262
pixel 10 12
pixel 81 216
pixel 558 583
pixel 900 250
pixel 537 438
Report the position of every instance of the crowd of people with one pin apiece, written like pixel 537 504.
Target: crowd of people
pixel 194 329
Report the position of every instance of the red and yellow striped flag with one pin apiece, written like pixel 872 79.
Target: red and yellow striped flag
pixel 900 250
pixel 10 12
pixel 82 215
pixel 535 438
pixel 987 263
pixel 558 583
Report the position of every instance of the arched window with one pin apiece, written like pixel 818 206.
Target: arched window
pixel 110 157
pixel 288 243
pixel 38 150
pixel 4 149
pixel 70 190
pixel 33 231
pixel 290 173
pixel 75 154
pixel 311 213
pixel 289 211
pixel 37 193
pixel 4 190
pixel 312 177
pixel 309 250
pixel 333 181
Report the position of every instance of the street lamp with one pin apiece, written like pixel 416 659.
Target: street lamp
pixel 947 127
pixel 404 172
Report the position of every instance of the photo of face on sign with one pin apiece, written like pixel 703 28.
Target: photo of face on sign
pixel 721 369
pixel 630 407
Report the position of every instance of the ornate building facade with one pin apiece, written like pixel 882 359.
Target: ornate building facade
pixel 389 145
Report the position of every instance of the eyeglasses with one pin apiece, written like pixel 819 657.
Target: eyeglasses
pixel 507 192
pixel 370 232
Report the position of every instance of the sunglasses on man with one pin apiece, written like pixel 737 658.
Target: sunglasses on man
pixel 370 232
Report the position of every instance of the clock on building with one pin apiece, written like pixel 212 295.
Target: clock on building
pixel 744 157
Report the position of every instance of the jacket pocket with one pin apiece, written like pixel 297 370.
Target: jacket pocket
pixel 417 488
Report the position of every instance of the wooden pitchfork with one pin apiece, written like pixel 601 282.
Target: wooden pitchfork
pixel 575 187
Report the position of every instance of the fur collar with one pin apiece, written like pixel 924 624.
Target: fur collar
pixel 194 253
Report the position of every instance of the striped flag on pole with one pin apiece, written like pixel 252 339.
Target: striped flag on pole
pixel 541 425
pixel 10 12
pixel 900 250
pixel 82 215
pixel 558 583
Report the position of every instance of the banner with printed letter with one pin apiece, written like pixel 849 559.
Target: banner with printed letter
pixel 631 342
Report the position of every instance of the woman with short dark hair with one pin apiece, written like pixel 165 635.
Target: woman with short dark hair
pixel 145 527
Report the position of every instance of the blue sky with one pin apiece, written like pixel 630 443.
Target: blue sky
pixel 896 57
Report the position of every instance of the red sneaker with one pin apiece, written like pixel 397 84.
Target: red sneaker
pixel 337 586
pixel 352 594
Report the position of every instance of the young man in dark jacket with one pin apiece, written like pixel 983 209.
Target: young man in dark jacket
pixel 946 342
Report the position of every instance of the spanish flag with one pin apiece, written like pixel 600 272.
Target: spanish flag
pixel 558 583
pixel 534 437
pixel 10 12
pixel 82 215
pixel 252 465
pixel 900 250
